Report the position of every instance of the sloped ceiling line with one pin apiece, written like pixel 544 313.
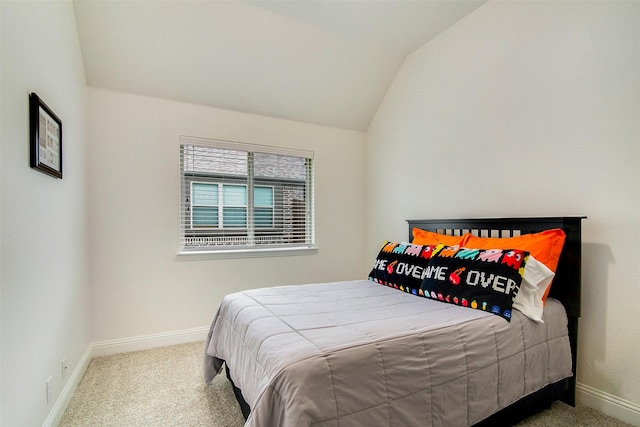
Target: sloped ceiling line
pixel 323 62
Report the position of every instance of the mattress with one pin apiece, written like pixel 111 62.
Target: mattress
pixel 358 353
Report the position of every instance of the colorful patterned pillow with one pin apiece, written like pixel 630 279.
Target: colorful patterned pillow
pixel 401 266
pixel 546 246
pixel 482 279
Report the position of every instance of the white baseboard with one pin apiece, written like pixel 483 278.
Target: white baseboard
pixel 68 390
pixel 609 404
pixel 145 342
pixel 104 348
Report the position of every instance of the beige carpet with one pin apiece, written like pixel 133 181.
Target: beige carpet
pixel 164 387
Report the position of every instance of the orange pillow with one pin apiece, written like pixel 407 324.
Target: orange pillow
pixel 545 246
pixel 424 237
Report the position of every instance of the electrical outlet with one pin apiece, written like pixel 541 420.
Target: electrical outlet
pixel 64 368
pixel 48 385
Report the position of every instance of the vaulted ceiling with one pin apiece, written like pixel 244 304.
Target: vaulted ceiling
pixel 328 62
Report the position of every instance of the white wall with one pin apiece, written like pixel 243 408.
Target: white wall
pixel 530 109
pixel 44 223
pixel 139 287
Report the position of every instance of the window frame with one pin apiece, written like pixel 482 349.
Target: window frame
pixel 253 248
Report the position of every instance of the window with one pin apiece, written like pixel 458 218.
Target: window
pixel 241 197
pixel 204 205
pixel 263 206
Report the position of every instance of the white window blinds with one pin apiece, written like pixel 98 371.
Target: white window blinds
pixel 237 196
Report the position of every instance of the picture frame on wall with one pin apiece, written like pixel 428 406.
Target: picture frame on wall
pixel 45 129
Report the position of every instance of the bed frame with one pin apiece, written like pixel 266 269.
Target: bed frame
pixel 565 288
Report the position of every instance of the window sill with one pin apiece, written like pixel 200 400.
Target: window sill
pixel 245 253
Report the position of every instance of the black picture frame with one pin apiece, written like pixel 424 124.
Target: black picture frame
pixel 45 129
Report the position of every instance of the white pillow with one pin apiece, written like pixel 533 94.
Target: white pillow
pixel 535 282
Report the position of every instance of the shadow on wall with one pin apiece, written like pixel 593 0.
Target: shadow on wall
pixel 596 259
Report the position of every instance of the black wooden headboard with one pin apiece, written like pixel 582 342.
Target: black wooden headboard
pixel 566 285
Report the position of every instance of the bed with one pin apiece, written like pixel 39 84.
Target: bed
pixel 358 353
